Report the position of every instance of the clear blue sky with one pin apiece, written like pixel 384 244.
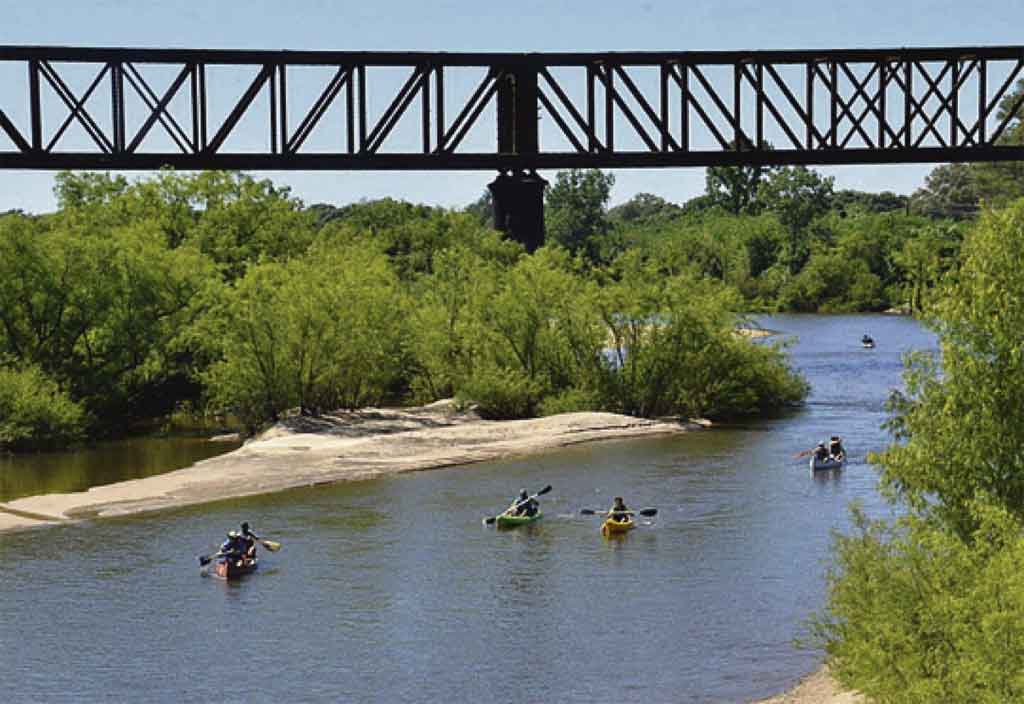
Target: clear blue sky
pixel 528 25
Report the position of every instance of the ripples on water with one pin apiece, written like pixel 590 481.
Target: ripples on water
pixel 393 591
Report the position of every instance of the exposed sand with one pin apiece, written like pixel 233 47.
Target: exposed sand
pixel 817 688
pixel 304 451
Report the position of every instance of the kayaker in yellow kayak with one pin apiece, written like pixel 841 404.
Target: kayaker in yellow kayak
pixel 619 512
pixel 523 505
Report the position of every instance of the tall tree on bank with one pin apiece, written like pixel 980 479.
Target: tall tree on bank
pixel 736 188
pixel 949 191
pixel 576 213
pixel 797 196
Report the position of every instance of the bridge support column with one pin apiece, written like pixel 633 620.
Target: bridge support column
pixel 519 207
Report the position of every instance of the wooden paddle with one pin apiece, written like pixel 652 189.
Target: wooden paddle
pixel 271 545
pixel 491 519
pixel 207 559
pixel 647 512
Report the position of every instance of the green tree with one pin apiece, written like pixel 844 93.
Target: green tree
pixel 962 428
pixel 831 282
pixel 950 191
pixel 674 350
pixel 104 316
pixel 737 188
pixel 851 202
pixel 928 607
pixel 644 209
pixel 539 338
pixel 576 215
pixel 34 412
pixel 924 259
pixel 797 196
pixel 482 208
pixel 321 332
pixel 445 330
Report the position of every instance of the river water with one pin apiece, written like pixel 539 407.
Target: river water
pixel 391 590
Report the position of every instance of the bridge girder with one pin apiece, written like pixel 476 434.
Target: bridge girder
pixel 124 109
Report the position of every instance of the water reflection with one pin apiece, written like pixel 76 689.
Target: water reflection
pixel 106 463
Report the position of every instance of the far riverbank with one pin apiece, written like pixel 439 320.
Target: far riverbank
pixel 345 446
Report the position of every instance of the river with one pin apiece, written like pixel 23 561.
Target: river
pixel 392 590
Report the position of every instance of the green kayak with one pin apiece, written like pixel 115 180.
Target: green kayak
pixel 504 521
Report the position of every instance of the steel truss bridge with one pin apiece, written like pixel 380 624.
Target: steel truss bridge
pixel 118 108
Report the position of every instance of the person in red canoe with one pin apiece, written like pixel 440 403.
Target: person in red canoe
pixel 249 539
pixel 234 548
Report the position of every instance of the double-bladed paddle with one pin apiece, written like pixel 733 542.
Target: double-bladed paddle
pixel 491 519
pixel 647 512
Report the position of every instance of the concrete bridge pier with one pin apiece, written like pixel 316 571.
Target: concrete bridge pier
pixel 518 199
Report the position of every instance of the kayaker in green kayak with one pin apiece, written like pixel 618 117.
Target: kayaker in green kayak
pixel 523 505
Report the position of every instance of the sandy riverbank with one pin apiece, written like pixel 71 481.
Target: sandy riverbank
pixel 817 688
pixel 303 451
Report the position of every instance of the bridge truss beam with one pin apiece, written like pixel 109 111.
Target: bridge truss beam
pixel 552 111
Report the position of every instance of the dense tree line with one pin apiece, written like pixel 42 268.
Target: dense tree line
pixel 220 293
pixel 782 236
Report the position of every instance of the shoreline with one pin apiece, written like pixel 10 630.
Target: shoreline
pixel 819 687
pixel 344 446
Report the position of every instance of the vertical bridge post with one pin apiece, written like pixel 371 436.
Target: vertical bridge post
pixel 518 195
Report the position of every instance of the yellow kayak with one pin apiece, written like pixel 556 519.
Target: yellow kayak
pixel 610 527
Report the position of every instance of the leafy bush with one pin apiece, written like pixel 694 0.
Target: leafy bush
pixel 501 392
pixel 34 412
pixel 931 608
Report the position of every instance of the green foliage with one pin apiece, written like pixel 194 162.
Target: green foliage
pixel 674 351
pixel 103 315
pixel 963 427
pixel 644 210
pixel 797 196
pixel 538 323
pixel 950 191
pixel 34 412
pixel 138 297
pixel 736 189
pixel 445 323
pixel 576 215
pixel 411 237
pixel 831 282
pixel 919 615
pixel 930 607
pixel 320 332
pixel 482 208
pixel 851 202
